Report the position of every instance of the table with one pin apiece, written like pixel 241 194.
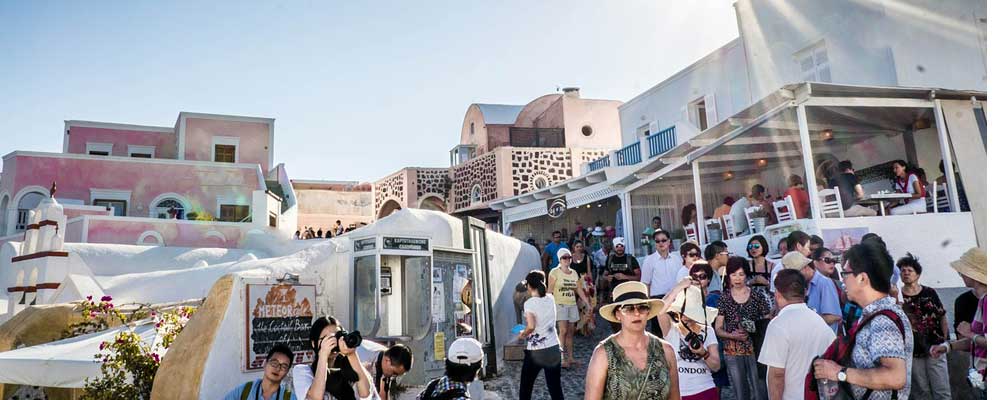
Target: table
pixel 881 198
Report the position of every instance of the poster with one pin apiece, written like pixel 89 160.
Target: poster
pixel 437 297
pixel 439 353
pixel 461 290
pixel 839 240
pixel 278 313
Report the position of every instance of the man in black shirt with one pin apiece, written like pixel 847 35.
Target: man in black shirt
pixel 621 267
pixel 850 191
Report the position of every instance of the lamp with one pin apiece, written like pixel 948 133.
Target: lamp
pixel 728 175
pixel 827 134
pixel 761 163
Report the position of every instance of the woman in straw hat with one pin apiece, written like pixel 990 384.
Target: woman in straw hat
pixel 632 364
pixel 972 267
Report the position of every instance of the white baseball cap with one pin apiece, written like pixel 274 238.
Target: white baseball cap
pixel 465 351
pixel 618 241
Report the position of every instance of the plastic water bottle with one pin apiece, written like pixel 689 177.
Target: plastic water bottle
pixel 828 389
pixel 518 329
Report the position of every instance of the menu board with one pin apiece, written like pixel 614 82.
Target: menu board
pixel 278 313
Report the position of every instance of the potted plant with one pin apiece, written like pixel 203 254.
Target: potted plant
pixel 758 220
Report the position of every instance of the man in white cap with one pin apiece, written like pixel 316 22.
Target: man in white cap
pixel 465 358
pixel 621 267
pixel 821 292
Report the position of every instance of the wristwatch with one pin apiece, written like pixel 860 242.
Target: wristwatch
pixel 842 375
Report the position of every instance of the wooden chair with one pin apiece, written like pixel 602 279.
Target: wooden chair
pixel 939 198
pixel 750 210
pixel 784 209
pixel 691 233
pixel 831 207
pixel 730 230
pixel 710 222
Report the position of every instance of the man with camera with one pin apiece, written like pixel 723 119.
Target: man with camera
pixel 336 370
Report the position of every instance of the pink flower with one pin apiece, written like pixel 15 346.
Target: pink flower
pixel 103 344
pixel 156 357
pixel 93 314
pixel 90 297
pixel 106 298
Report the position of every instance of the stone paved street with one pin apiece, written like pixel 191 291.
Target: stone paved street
pixel 572 379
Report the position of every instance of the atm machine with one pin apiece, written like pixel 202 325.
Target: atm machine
pixel 405 290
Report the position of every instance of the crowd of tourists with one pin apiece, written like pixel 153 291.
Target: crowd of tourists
pixel 805 325
pixel 309 232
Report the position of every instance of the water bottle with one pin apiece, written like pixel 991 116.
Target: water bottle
pixel 828 389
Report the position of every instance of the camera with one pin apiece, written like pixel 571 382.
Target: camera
pixel 748 326
pixel 351 339
pixel 694 341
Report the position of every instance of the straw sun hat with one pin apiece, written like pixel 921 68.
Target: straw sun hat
pixel 690 304
pixel 631 292
pixel 972 264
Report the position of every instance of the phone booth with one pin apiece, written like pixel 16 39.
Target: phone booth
pixel 405 290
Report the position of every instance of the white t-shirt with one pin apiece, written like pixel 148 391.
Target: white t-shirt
pixel 302 378
pixel 693 374
pixel 660 273
pixel 544 309
pixel 793 339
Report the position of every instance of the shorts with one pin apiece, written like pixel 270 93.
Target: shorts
pixel 567 313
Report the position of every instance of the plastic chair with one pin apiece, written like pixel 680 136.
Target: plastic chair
pixel 831 207
pixel 788 206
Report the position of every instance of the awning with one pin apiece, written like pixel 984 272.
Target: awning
pixel 65 363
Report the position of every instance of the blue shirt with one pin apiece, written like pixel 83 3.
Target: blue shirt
pixel 551 249
pixel 256 392
pixel 822 297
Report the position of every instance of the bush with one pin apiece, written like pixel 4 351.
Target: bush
pixel 128 365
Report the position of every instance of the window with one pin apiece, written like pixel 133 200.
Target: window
pixel 700 114
pixel 536 137
pixel 814 63
pixel 99 149
pixel 587 130
pixel 141 151
pixel 118 206
pixel 233 213
pixel 169 208
pixel 476 194
pixel 472 129
pixel 225 153
pixel 27 203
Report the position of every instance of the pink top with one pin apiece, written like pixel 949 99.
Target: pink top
pixel 979 328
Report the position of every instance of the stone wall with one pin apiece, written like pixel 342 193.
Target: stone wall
pixel 479 173
pixel 435 181
pixel 389 188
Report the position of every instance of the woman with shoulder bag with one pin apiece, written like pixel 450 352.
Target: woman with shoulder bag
pixel 542 349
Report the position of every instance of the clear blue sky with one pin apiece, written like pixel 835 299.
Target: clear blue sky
pixel 359 90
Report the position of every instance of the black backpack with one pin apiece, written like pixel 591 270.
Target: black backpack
pixel 446 395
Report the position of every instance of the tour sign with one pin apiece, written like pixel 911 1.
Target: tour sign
pixel 401 243
pixel 364 244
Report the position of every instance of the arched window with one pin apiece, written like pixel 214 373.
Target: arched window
pixel 27 203
pixel 170 209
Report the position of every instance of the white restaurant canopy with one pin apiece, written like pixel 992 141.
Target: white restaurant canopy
pixel 65 363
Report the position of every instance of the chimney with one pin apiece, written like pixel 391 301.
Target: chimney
pixel 571 92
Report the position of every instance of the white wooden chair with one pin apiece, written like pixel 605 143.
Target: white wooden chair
pixel 710 222
pixel 784 209
pixel 830 207
pixel 729 224
pixel 691 233
pixel 939 198
pixel 750 210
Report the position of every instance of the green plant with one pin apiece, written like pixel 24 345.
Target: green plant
pixel 128 364
pixel 202 216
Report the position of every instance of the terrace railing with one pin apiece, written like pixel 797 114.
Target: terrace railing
pixel 629 155
pixel 599 163
pixel 662 141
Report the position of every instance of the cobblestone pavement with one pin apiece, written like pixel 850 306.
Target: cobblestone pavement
pixel 506 385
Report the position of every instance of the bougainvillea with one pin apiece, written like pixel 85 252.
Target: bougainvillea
pixel 128 364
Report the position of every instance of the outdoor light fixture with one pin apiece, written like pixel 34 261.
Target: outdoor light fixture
pixel 289 279
pixel 728 175
pixel 827 134
pixel 761 163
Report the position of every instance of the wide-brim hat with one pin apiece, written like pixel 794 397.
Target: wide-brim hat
pixel 691 303
pixel 972 264
pixel 598 231
pixel 631 293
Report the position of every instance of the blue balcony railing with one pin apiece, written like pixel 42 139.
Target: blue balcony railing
pixel 662 141
pixel 599 163
pixel 629 155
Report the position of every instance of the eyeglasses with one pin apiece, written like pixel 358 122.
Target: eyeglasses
pixel 700 277
pixel 693 254
pixel 662 241
pixel 635 308
pixel 278 365
pixel 849 272
pixel 723 253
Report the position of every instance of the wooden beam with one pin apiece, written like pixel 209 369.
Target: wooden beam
pixel 748 156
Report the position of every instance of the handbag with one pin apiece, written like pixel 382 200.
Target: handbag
pixel 549 357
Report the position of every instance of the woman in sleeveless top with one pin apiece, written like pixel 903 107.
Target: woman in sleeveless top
pixel 632 364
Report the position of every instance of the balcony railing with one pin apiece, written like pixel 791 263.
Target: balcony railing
pixel 599 163
pixel 629 155
pixel 662 141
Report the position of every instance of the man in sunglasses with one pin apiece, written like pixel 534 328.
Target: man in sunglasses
pixel 279 361
pixel 822 293
pixel 659 272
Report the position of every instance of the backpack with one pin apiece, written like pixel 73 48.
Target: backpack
pixel 840 351
pixel 284 393
pixel 446 395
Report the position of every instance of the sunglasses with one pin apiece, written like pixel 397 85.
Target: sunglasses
pixel 700 277
pixel 848 272
pixel 635 308
pixel 754 246
pixel 693 254
pixel 828 260
pixel 566 257
pixel 662 241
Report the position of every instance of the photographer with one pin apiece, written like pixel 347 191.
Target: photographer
pixel 690 333
pixel 336 371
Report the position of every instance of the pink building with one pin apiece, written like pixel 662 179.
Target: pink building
pixel 507 150
pixel 208 179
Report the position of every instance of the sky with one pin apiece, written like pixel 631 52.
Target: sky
pixel 358 89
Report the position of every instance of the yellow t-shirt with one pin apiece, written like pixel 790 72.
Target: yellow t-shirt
pixel 564 290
